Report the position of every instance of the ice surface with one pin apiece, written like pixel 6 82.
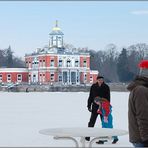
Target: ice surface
pixel 22 115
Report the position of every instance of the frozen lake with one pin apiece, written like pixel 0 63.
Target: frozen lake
pixel 22 115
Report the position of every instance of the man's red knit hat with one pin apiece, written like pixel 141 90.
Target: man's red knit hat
pixel 143 65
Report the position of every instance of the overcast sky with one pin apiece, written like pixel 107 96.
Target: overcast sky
pixel 26 25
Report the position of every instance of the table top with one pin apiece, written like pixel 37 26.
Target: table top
pixel 83 132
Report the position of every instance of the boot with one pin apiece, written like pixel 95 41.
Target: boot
pixel 115 141
pixel 101 141
pixel 87 138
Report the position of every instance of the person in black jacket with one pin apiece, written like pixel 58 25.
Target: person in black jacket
pixel 99 89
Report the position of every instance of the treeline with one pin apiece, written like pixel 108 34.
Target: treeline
pixel 8 60
pixel 118 65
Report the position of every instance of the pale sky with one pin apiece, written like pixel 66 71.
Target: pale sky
pixel 26 25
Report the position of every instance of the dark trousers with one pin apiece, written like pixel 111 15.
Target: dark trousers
pixel 92 121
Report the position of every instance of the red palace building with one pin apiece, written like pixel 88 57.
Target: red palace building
pixel 53 64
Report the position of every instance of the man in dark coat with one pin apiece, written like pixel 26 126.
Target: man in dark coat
pixel 99 89
pixel 138 108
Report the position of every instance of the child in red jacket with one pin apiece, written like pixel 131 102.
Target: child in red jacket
pixel 105 109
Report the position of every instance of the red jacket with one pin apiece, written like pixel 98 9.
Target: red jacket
pixel 106 107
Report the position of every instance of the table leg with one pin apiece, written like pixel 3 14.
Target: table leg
pixel 68 138
pixel 82 140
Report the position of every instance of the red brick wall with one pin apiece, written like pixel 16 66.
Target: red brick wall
pixel 47 76
pixel 42 58
pixel 48 61
pixel 29 61
pixel 88 77
pixel 4 76
pixel 81 61
pixel 81 77
pixel 56 76
pixel 88 62
pixel 25 77
pixel 95 77
pixel 56 61
pixel 14 76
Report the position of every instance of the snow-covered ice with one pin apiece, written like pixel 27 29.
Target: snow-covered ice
pixel 22 115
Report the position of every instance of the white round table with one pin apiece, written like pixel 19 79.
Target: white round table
pixel 82 132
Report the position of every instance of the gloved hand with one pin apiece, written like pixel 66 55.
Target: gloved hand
pixel 105 119
pixel 89 109
pixel 99 111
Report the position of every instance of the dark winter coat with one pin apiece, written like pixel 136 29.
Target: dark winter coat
pixel 138 110
pixel 102 91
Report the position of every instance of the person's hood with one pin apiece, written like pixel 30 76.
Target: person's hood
pixel 139 80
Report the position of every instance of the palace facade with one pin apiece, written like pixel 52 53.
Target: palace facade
pixel 53 64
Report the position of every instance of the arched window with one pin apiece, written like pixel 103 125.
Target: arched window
pixel 68 63
pixel 84 63
pixel 19 78
pixel 60 63
pixel 52 77
pixel 8 77
pixel 52 63
pixel 76 63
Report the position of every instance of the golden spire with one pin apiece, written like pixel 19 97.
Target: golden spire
pixel 56 23
pixel 56 28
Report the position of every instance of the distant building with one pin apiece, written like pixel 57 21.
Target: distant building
pixel 13 75
pixel 54 64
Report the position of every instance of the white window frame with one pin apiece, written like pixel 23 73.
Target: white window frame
pixel 84 63
pixel 34 78
pixel 52 63
pixel 76 63
pixel 29 65
pixel 60 78
pixel 52 77
pixel 44 63
pixel 8 78
pixel 40 77
pixel 85 77
pixel 91 79
pixel 60 63
pixel 18 77
pixel 40 63
pixel 43 77
pixel 68 63
pixel 1 77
